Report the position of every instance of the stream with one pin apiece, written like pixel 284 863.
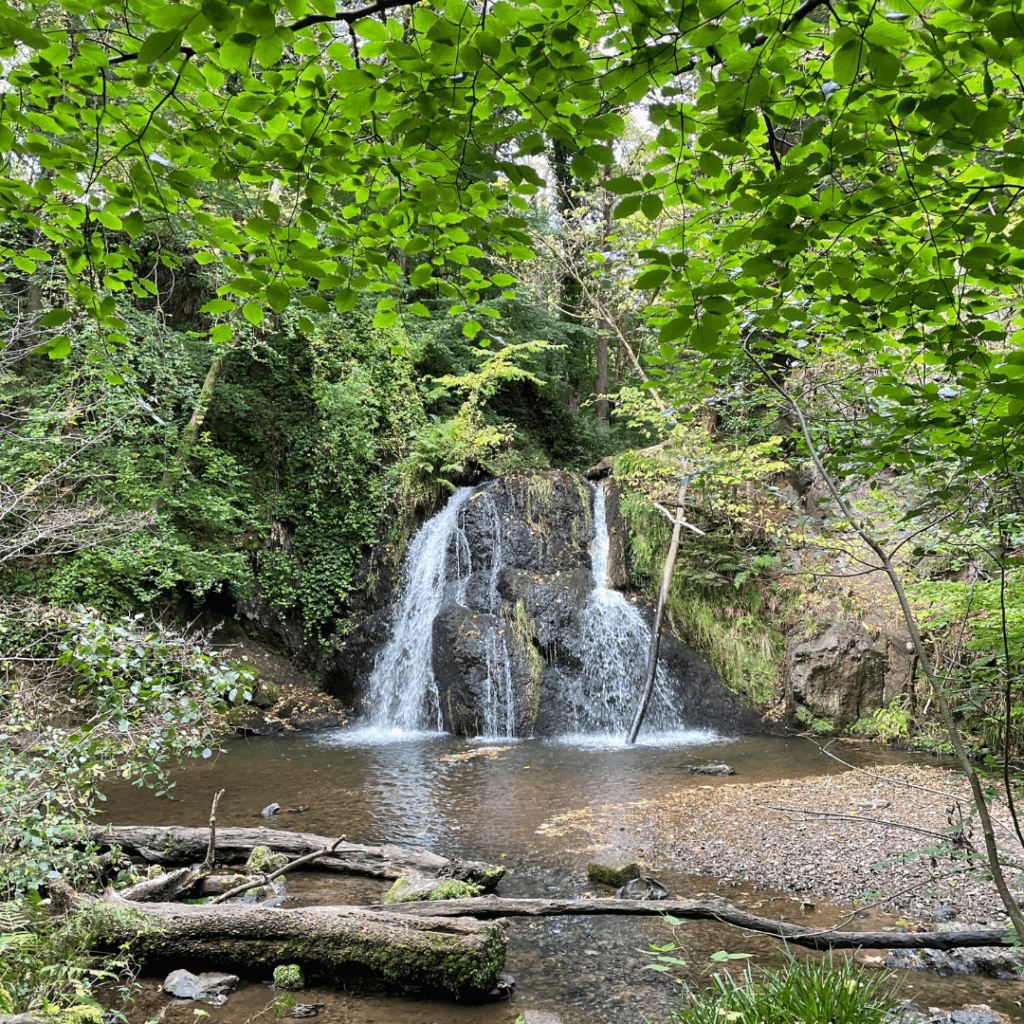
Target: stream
pixel 374 787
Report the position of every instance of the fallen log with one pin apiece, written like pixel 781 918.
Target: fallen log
pixel 486 907
pixel 179 845
pixel 458 956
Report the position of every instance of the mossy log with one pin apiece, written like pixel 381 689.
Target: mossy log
pixel 179 845
pixel 484 907
pixel 458 956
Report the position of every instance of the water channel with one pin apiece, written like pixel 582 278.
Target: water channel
pixel 373 787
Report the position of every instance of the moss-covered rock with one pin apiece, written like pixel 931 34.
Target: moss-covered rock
pixel 289 976
pixel 267 694
pixel 411 890
pixel 615 875
pixel 261 859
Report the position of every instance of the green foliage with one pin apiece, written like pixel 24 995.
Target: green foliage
pixel 835 989
pixel 49 963
pixel 890 724
pixel 289 976
pixel 467 441
pixel 84 699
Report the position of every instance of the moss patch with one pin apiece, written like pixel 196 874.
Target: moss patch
pixel 614 875
pixel 404 891
pixel 261 859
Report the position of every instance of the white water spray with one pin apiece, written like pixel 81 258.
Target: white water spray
pixel 402 684
pixel 616 642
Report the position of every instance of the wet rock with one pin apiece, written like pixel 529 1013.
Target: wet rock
pixel 993 963
pixel 838 675
pixel 300 1010
pixel 251 721
pixel 978 1013
pixel 270 810
pixel 616 875
pixel 710 769
pixel 541 1017
pixel 505 988
pixel 642 888
pixel 261 858
pixel 208 986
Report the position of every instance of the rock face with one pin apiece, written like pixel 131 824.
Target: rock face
pixel 510 643
pixel 839 675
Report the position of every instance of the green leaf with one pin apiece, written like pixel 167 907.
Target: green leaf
pixel 59 347
pixel 622 186
pixel 651 206
pixel 370 28
pixel 278 297
pixel 846 64
pixel 627 207
pixel 652 278
pixel 55 318
pixel 159 46
pixel 253 312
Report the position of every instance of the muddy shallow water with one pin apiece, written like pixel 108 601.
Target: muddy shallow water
pixel 374 788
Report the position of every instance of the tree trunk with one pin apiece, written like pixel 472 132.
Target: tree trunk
pixel 715 910
pixel 178 845
pixel 331 944
pixel 191 431
pixel 666 580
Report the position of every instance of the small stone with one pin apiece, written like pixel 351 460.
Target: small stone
pixel 642 888
pixel 206 986
pixel 271 810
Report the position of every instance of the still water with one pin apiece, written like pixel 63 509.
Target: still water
pixel 373 788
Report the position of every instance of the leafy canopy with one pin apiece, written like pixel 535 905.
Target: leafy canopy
pixel 841 181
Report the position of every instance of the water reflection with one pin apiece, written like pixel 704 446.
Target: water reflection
pixel 377 787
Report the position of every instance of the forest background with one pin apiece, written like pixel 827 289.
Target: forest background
pixel 275 277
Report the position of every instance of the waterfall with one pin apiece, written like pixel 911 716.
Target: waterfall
pixel 595 698
pixel 402 684
pixel 616 643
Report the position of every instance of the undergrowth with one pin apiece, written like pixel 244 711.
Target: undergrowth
pixel 834 989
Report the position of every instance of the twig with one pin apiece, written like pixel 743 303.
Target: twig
pixel 895 782
pixel 251 884
pixel 212 845
pixel 683 522
pixel 859 817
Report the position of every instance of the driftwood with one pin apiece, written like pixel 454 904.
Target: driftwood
pixel 485 907
pixel 332 944
pixel 178 845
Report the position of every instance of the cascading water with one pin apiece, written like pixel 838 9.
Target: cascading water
pixel 451 575
pixel 616 643
pixel 402 684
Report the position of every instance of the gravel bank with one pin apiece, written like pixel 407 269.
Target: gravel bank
pixel 860 845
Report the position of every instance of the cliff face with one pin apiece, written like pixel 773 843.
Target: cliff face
pixel 519 644
pixel 517 647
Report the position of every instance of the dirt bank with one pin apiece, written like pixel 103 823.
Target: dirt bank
pixel 859 846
